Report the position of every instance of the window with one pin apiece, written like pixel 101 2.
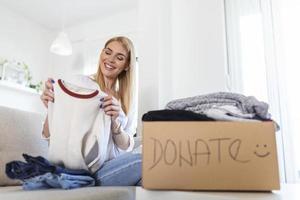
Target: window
pixel 262 64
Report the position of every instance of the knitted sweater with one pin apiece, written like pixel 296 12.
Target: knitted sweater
pixel 80 131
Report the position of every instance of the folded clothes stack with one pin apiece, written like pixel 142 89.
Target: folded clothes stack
pixel 174 115
pixel 221 106
pixel 39 173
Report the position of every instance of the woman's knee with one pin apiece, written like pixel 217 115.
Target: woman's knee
pixel 127 172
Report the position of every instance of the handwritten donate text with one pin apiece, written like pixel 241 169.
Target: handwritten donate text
pixel 196 152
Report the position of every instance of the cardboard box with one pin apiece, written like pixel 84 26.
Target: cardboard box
pixel 210 156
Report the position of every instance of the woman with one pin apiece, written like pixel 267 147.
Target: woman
pixel 115 77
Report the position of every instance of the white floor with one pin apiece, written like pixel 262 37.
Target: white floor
pixel 287 192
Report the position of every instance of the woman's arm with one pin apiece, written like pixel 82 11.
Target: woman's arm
pixel 120 137
pixel 45 132
pixel 121 140
pixel 47 96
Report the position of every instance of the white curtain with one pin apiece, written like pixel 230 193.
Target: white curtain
pixel 256 67
pixel 286 15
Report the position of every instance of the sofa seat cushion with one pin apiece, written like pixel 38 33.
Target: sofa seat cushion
pixel 20 132
pixel 99 193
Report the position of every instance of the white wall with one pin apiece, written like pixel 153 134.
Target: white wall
pixel 24 40
pixel 198 48
pixel 182 50
pixel 88 40
pixel 148 45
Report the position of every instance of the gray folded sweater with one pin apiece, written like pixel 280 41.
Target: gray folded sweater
pixel 202 103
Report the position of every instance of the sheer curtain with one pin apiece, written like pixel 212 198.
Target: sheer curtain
pixel 286 15
pixel 256 66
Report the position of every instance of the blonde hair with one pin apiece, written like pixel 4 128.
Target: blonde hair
pixel 124 83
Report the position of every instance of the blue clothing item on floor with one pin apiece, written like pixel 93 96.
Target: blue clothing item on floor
pixel 36 166
pixel 124 170
pixel 64 181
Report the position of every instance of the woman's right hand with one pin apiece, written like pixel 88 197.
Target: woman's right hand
pixel 48 94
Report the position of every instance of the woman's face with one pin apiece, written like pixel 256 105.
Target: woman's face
pixel 113 60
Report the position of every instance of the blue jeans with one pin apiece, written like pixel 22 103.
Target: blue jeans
pixel 124 170
pixel 65 181
pixel 35 166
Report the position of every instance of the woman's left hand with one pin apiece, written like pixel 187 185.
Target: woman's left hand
pixel 111 106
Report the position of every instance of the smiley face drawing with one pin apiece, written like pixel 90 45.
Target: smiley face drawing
pixel 261 151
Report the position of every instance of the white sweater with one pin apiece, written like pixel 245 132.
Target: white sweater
pixel 80 131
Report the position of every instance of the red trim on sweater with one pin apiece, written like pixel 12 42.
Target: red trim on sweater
pixel 73 94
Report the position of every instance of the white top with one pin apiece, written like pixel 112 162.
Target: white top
pixel 80 131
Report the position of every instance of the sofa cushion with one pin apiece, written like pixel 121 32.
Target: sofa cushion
pixel 20 132
pixel 137 145
pixel 99 193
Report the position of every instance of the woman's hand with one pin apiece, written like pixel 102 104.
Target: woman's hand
pixel 48 94
pixel 112 107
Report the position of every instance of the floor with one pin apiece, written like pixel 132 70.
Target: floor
pixel 287 192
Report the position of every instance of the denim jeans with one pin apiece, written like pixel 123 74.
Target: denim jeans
pixel 124 170
pixel 35 166
pixel 65 181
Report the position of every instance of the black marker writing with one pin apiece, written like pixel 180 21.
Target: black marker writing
pixel 219 146
pixel 205 153
pixel 174 152
pixel 234 156
pixel 181 158
pixel 156 161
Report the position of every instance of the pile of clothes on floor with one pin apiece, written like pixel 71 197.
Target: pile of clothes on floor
pixel 221 106
pixel 39 173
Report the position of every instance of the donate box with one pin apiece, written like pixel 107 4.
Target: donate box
pixel 210 156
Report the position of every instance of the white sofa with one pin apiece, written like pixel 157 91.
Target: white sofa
pixel 20 132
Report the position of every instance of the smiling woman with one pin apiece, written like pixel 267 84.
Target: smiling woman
pixel 115 71
pixel 115 78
